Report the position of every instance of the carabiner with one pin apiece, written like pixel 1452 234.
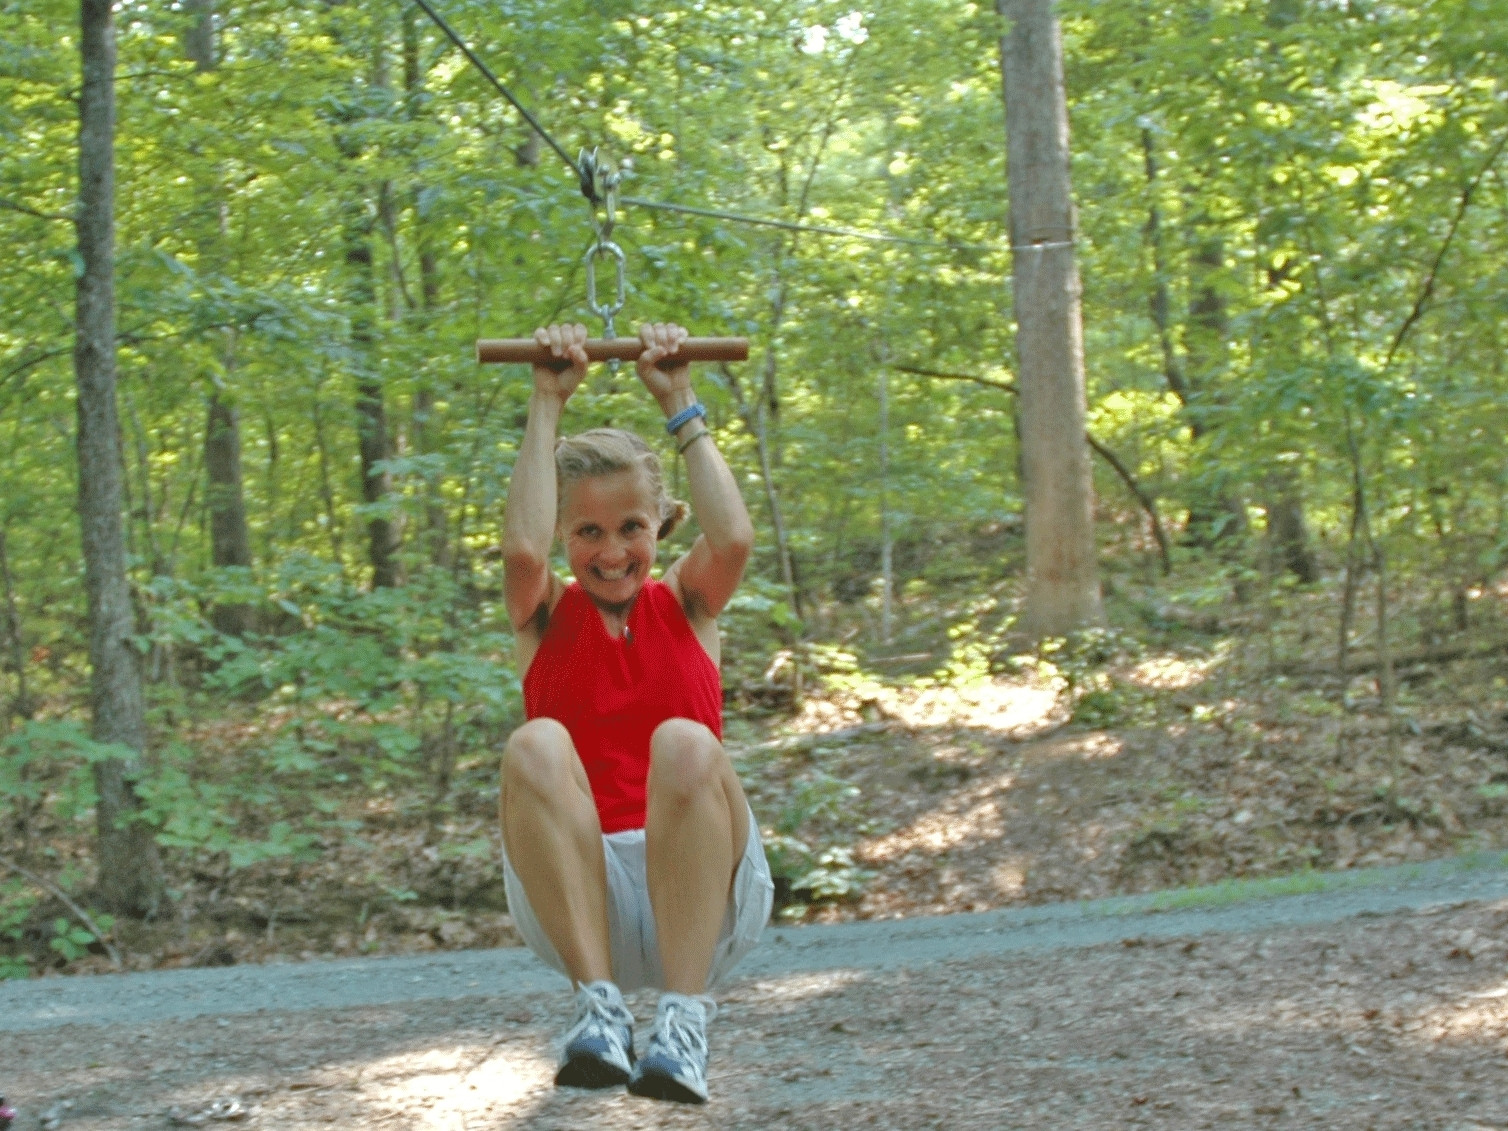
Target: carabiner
pixel 599 184
pixel 599 248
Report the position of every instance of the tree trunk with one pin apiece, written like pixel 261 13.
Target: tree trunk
pixel 1285 507
pixel 225 498
pixel 1286 528
pixel 756 424
pixel 199 36
pixel 1219 516
pixel 371 409
pixel 1209 321
pixel 130 871
pixel 1158 300
pixel 1209 519
pixel 1062 585
pixel 760 425
pixel 422 406
pixel 230 542
pixel 21 706
pixel 271 481
pixel 887 542
pixel 327 488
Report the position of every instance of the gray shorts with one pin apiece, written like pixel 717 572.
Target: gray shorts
pixel 631 921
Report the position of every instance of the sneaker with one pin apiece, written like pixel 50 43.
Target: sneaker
pixel 599 1048
pixel 674 1066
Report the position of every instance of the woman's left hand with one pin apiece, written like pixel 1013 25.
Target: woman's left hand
pixel 668 386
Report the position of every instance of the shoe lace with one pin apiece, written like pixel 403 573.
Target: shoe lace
pixel 597 1013
pixel 679 1028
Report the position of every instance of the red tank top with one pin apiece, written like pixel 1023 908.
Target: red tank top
pixel 611 692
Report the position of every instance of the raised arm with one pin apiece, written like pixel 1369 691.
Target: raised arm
pixel 529 521
pixel 711 570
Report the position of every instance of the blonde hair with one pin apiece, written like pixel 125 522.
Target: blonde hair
pixel 603 451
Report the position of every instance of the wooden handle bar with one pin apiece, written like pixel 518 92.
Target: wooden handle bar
pixel 528 351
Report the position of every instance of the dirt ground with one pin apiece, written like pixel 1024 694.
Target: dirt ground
pixel 1397 1021
pixel 987 795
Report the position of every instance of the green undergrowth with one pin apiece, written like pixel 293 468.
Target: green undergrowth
pixel 351 741
pixel 817 817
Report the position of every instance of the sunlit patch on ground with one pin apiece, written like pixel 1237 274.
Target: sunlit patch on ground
pixel 1013 708
pixel 483 1081
pixel 1008 706
pixel 1009 880
pixel 792 990
pixel 1088 747
pixel 1288 1013
pixel 1408 997
pixel 1479 1016
pixel 970 817
pixel 1168 673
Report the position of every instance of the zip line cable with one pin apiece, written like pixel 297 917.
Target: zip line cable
pixel 501 89
pixel 791 226
pixel 589 186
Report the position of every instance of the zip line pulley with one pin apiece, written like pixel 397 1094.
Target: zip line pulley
pixel 599 184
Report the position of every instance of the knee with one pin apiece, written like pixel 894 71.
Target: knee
pixel 685 759
pixel 538 757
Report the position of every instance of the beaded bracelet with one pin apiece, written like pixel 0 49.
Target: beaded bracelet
pixel 686 415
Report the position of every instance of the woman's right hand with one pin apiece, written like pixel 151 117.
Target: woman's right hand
pixel 566 342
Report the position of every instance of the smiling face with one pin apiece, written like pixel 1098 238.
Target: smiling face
pixel 608 524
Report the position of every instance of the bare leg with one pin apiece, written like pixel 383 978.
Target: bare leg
pixel 554 843
pixel 695 832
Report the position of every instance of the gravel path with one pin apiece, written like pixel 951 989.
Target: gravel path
pixel 1363 999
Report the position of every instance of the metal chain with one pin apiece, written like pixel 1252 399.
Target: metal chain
pixel 599 184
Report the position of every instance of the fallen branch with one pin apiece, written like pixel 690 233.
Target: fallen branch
pixel 63 897
pixel 987 382
pixel 906 658
pixel 803 742
pixel 1427 289
pixel 17 206
pixel 1146 501
pixel 1148 504
pixel 1438 655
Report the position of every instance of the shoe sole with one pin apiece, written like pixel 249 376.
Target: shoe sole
pixel 652 1085
pixel 589 1072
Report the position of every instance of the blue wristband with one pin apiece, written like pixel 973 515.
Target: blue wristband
pixel 685 416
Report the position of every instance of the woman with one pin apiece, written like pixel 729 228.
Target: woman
pixel 631 855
